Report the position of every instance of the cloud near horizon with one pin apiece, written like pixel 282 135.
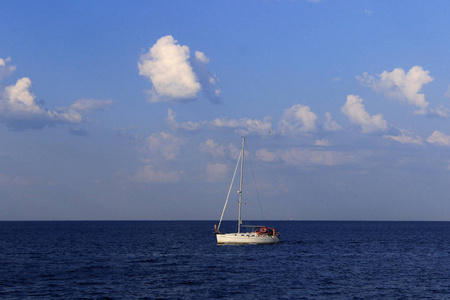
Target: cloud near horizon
pixel 158 149
pixel 245 126
pixel 216 171
pixel 305 157
pixel 15 180
pixel 153 174
pixel 163 145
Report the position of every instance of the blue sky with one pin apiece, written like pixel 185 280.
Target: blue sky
pixel 117 110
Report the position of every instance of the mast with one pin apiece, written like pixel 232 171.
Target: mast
pixel 240 185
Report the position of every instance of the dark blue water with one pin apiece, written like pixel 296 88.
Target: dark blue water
pixel 180 260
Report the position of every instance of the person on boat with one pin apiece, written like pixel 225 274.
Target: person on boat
pixel 215 229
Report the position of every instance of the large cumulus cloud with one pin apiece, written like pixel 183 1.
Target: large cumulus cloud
pixel 401 85
pixel 175 77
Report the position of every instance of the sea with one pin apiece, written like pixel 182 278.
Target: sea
pixel 181 260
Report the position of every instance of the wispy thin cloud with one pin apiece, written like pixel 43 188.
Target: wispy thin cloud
pixel 368 12
pixel 406 137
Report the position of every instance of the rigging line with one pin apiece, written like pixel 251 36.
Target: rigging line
pixel 228 196
pixel 256 188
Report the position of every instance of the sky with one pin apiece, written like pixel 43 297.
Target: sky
pixel 119 110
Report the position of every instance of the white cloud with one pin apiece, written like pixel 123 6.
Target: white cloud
pixel 160 148
pixel 299 157
pixel 167 66
pixel 18 97
pixel 304 157
pixel 212 148
pixel 447 94
pixel 65 115
pixel 297 119
pixel 401 85
pixel 406 138
pixel 242 126
pixel 330 124
pixel 440 111
pixel 245 126
pixel 439 138
pixel 89 105
pixel 216 171
pixel 163 145
pixel 174 76
pixel 189 126
pixel 322 142
pixel 266 155
pixel 355 111
pixel 5 68
pixel 200 56
pixel 72 114
pixel 151 174
pixel 217 150
pixel 20 110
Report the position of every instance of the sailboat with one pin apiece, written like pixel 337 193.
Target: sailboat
pixel 253 234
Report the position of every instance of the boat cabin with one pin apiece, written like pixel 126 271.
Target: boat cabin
pixel 263 230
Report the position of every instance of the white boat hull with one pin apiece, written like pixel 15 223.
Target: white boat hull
pixel 245 238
